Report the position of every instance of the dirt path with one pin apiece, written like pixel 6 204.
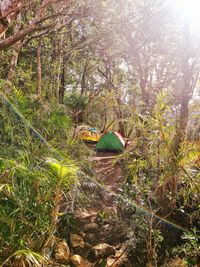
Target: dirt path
pixel 99 220
pixel 108 173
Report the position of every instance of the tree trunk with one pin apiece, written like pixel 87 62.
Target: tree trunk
pixel 187 84
pixel 39 70
pixel 120 117
pixel 59 64
pixel 83 82
pixel 144 95
pixel 14 58
pixel 185 97
pixel 58 73
pixel 182 125
pixel 62 86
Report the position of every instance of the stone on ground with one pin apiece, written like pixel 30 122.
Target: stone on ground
pixel 76 241
pixel 91 227
pixel 61 251
pixel 103 250
pixel 78 261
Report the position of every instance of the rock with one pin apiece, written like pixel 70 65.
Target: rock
pixel 121 262
pixel 115 234
pixel 76 260
pixel 91 237
pixel 91 227
pixel 83 234
pixel 83 252
pixel 61 251
pixel 103 250
pixel 76 241
pixel 120 259
pixel 86 215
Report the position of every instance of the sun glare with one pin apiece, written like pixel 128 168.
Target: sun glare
pixel 190 9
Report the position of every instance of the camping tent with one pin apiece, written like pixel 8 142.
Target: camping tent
pixel 111 141
pixel 87 134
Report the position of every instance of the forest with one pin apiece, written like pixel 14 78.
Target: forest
pixel 78 76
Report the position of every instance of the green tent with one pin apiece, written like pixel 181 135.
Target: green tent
pixel 111 141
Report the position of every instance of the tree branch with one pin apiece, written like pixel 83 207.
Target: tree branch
pixel 5 44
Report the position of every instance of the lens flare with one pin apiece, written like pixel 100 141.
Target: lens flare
pixel 189 9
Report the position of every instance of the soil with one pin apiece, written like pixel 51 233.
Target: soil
pixel 103 211
pixel 109 175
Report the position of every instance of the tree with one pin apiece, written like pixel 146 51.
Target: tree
pixel 8 13
pixel 42 20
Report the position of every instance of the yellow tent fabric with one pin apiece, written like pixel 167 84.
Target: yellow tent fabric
pixel 88 134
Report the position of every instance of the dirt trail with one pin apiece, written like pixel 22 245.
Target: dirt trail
pixel 102 214
pixel 108 173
